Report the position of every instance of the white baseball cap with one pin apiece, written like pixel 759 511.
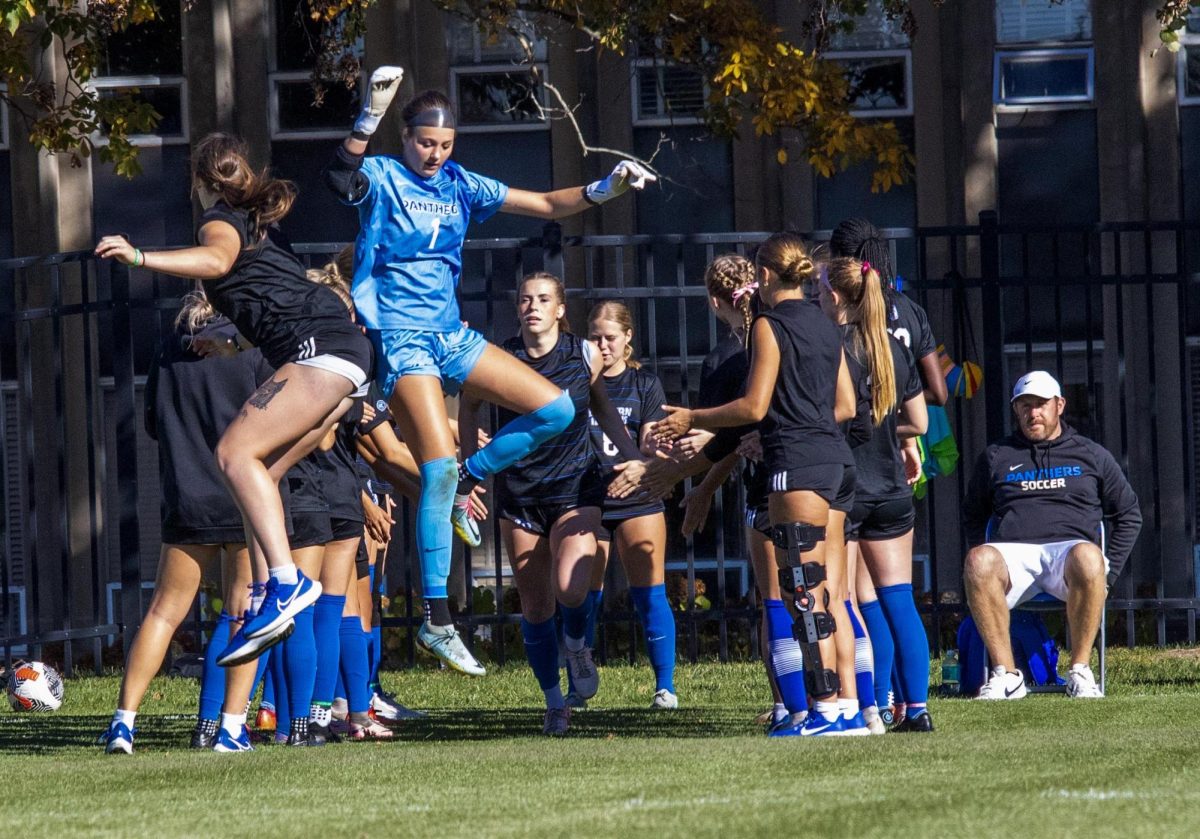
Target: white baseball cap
pixel 1036 383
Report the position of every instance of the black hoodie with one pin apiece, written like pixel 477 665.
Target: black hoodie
pixel 1059 489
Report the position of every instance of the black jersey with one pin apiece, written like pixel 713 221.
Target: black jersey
pixel 799 429
pixel 859 428
pixel 723 377
pixel 908 322
pixel 307 487
pixel 638 397
pixel 339 475
pixel 271 302
pixel 190 401
pixel 880 471
pixel 552 473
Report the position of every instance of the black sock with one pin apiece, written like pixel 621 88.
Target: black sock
pixel 437 611
pixel 466 481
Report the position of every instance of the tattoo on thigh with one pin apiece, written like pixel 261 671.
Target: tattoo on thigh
pixel 263 396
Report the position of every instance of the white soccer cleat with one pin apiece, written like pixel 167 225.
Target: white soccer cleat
pixel 1003 685
pixel 584 675
pixel 664 700
pixel 465 527
pixel 1081 684
pixel 444 642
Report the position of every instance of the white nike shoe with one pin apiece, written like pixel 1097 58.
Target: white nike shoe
pixel 1081 684
pixel 445 643
pixel 664 700
pixel 1004 685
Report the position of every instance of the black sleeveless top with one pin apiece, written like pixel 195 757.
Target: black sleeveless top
pixel 638 397
pixel 799 429
pixel 880 472
pixel 553 472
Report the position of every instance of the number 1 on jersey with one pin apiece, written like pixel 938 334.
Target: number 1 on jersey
pixel 437 224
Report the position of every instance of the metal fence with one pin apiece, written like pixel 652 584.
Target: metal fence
pixel 1110 309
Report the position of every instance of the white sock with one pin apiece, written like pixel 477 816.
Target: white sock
pixel 285 574
pixel 321 715
pixel 779 712
pixel 554 698
pixel 126 717
pixel 573 645
pixel 848 707
pixel 233 723
pixel 828 709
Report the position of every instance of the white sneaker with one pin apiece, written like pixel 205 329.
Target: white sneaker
pixel 874 721
pixel 465 527
pixel 584 674
pixel 1081 684
pixel 665 700
pixel 1003 685
pixel 443 642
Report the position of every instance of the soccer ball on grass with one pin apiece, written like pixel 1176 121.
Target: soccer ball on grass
pixel 34 686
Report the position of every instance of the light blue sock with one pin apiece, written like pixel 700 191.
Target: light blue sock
pixel 912 644
pixel 517 438
pixel 864 678
pixel 212 678
pixel 327 620
pixel 541 648
pixel 882 647
pixel 434 532
pixel 354 664
pixel 654 611
pixel 787 662
pixel 300 662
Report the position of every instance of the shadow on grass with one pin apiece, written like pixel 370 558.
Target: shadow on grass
pixel 46 734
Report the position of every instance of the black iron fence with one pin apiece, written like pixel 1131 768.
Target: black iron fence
pixel 1110 309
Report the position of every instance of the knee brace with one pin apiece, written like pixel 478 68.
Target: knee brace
pixel 798 577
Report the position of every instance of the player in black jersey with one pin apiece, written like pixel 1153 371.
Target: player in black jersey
pixel 881 520
pixel 549 501
pixel 800 389
pixel 190 400
pixel 321 360
pixel 636 524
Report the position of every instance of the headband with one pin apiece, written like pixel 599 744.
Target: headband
pixel 433 118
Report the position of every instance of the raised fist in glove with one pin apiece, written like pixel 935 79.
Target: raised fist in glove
pixel 381 90
pixel 624 175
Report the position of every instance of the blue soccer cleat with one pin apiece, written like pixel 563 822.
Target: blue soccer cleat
pixel 790 726
pixel 855 726
pixel 818 725
pixel 281 604
pixel 228 743
pixel 118 739
pixel 242 649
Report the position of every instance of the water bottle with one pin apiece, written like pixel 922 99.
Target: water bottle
pixel 950 673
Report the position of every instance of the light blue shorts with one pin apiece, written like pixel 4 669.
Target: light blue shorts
pixel 450 356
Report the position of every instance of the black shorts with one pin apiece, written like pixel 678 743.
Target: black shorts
pixel 345 341
pixel 880 518
pixel 611 520
pixel 539 518
pixel 174 535
pixel 309 528
pixel 758 517
pixel 362 563
pixel 343 529
pixel 832 481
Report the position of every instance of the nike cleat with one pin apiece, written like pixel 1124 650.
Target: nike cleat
pixel 387 707
pixel 465 527
pixel 1081 684
pixel 281 604
pixel 242 649
pixel 854 726
pixel 204 735
pixel 556 722
pixel 584 675
pixel 918 723
pixel 664 700
pixel 227 743
pixel 1003 685
pixel 818 725
pixel 790 726
pixel 118 739
pixel 444 642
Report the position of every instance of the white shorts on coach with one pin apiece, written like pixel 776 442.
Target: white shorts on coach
pixel 1033 569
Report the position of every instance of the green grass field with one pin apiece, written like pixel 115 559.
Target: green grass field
pixel 1128 765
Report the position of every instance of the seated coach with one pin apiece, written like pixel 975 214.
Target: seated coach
pixel 1035 515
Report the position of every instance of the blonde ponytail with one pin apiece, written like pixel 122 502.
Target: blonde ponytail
pixel 861 292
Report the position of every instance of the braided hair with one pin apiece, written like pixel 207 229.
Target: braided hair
pixel 858 239
pixel 726 274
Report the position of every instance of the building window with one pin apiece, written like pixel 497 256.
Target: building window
pixel 880 81
pixel 146 61
pixel 1189 61
pixel 499 97
pixel 1044 56
pixel 298 111
pixel 666 94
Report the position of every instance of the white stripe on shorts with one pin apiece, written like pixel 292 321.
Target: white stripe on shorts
pixel 345 369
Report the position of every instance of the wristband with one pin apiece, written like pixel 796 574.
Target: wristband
pixel 139 258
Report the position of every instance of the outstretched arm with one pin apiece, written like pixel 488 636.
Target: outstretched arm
pixel 567 202
pixel 213 259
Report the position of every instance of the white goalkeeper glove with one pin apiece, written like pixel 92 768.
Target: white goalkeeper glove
pixel 381 90
pixel 626 174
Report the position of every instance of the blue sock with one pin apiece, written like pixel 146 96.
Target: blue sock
pixel 354 664
pixel 327 619
pixel 882 648
pixel 212 678
pixel 589 637
pixel 434 532
pixel 541 648
pixel 268 683
pixel 519 437
pixel 654 612
pixel 786 660
pixel 339 689
pixel 283 704
pixel 864 679
pixel 300 662
pixel 912 644
pixel 375 645
pixel 575 618
pixel 260 676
